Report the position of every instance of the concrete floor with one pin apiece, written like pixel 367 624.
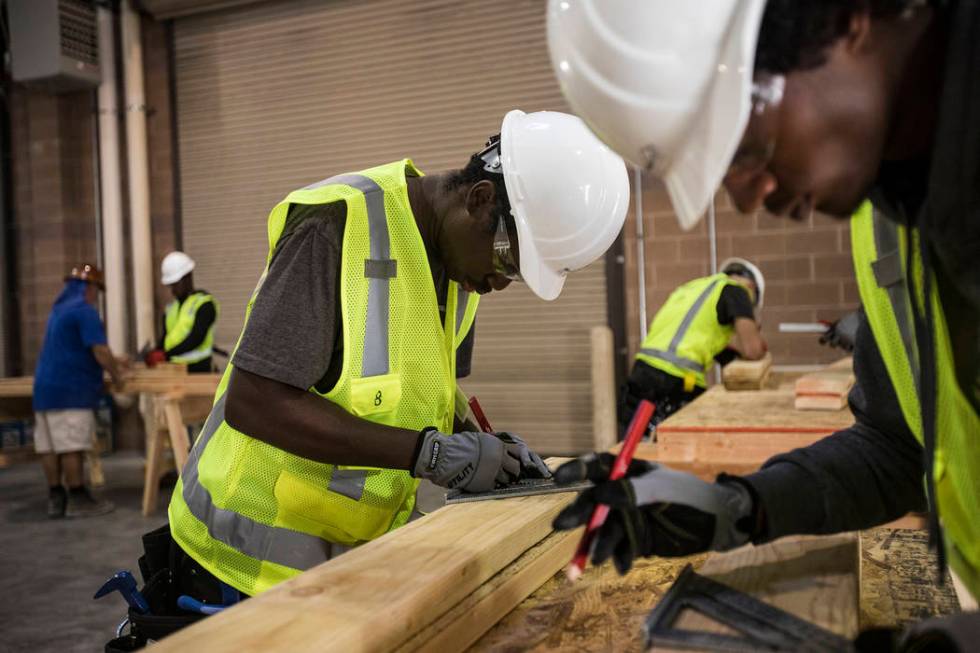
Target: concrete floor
pixel 50 568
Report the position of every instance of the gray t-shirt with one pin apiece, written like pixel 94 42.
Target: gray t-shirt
pixel 294 333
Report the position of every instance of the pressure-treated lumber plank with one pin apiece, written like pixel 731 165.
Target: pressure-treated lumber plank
pixel 826 389
pixel 814 578
pixel 604 426
pixel 762 410
pixel 377 596
pixel 747 375
pixel 457 629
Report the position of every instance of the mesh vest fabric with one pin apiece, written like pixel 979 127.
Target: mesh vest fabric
pixel 880 249
pixel 179 320
pixel 685 334
pixel 255 515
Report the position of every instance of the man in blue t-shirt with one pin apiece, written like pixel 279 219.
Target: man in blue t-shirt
pixel 67 387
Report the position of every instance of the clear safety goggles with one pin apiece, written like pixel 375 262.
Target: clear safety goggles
pixel 504 259
pixel 758 143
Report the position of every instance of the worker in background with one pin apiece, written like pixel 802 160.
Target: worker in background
pixel 342 392
pixel 188 323
pixel 67 388
pixel 707 319
pixel 846 100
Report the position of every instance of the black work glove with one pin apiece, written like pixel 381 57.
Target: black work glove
pixel 655 510
pixel 842 333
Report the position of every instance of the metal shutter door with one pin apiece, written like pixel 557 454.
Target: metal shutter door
pixel 276 95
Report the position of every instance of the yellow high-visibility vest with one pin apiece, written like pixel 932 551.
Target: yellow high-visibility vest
pixel 880 248
pixel 254 515
pixel 179 321
pixel 685 336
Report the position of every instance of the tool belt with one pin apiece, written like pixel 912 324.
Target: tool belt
pixel 167 572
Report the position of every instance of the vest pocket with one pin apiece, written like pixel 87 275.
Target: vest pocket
pixel 315 506
pixel 375 395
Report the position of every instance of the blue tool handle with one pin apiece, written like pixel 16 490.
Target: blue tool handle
pixel 190 604
pixel 136 601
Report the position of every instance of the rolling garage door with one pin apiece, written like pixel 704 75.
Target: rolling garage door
pixel 275 95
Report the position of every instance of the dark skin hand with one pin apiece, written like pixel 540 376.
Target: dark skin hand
pixel 456 226
pixel 872 100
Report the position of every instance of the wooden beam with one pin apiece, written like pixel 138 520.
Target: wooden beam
pixel 747 375
pixel 379 595
pixel 604 424
pixel 826 389
pixel 457 629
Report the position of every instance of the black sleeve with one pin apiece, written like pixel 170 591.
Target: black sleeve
pixel 163 332
pixel 293 329
pixel 734 302
pixel 863 476
pixel 203 320
pixel 464 354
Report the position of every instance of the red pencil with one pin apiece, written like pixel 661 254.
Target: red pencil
pixel 480 416
pixel 634 434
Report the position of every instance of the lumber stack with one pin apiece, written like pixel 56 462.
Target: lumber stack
pixel 479 557
pixel 826 389
pixel 747 375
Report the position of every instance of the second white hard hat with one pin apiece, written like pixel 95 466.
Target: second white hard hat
pixel 569 194
pixel 175 266
pixel 733 265
pixel 667 84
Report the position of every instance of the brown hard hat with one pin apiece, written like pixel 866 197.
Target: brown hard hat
pixel 88 273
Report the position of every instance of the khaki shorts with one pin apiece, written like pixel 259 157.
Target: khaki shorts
pixel 64 431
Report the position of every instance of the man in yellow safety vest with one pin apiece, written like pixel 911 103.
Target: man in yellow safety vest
pixel 704 320
pixel 188 323
pixel 802 106
pixel 341 394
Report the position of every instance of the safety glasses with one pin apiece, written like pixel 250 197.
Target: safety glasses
pixel 504 259
pixel 758 143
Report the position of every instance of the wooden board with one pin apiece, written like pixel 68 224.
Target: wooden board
pixel 457 629
pixel 763 410
pixel 747 375
pixel 379 595
pixel 826 389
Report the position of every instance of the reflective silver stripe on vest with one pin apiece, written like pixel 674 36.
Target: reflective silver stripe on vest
pixel 671 354
pixel 461 310
pixel 374 360
pixel 282 546
pixel 889 272
pixel 349 482
pixel 671 357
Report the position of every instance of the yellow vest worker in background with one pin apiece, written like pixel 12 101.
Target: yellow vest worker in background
pixel 845 100
pixel 188 322
pixel 693 329
pixel 341 394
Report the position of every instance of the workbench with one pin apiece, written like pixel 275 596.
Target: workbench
pixel 488 574
pixel 175 399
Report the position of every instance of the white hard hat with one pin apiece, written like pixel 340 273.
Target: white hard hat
pixel 732 265
pixel 568 193
pixel 665 83
pixel 175 266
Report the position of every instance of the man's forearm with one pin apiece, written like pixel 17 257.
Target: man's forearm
pixel 306 425
pixel 853 479
pixel 108 362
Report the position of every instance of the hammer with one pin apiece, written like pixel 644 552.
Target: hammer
pixel 124 582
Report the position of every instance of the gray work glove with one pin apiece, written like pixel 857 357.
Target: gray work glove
pixel 842 333
pixel 474 461
pixel 655 510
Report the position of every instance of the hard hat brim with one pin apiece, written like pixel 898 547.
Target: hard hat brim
pixel 694 176
pixel 540 278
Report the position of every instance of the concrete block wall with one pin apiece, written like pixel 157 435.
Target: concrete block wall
pixel 807 265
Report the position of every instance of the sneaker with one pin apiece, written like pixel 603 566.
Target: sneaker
pixel 57 498
pixel 81 503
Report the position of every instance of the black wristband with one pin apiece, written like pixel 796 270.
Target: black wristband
pixel 418 447
pixel 754 525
